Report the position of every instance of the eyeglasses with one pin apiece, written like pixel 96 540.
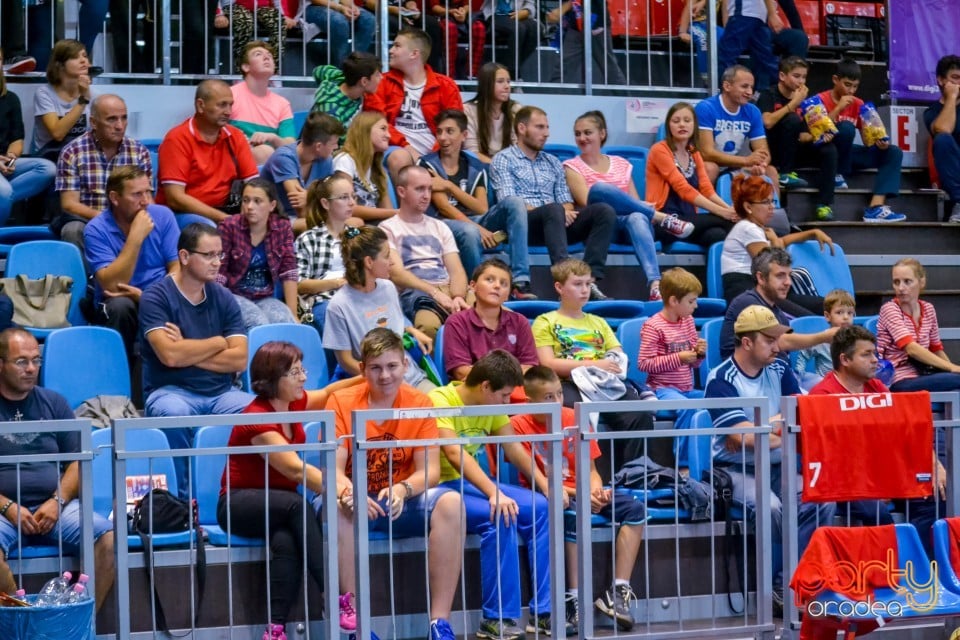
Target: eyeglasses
pixel 23 363
pixel 768 202
pixel 296 373
pixel 210 256
pixel 345 196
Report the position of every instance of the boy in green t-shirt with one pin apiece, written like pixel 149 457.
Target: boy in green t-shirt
pixel 340 92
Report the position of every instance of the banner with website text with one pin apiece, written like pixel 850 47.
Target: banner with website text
pixel 921 32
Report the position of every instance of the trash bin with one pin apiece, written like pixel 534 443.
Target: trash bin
pixel 70 621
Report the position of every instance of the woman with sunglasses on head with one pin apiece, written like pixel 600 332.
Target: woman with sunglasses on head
pixel 753 202
pixel 258 255
pixel 251 498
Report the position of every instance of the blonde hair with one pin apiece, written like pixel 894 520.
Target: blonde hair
pixel 320 190
pixel 678 282
pixel 838 298
pixel 918 271
pixel 569 267
pixel 359 147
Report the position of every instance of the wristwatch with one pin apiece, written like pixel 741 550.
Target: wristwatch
pixel 409 487
pixel 83 100
pixel 61 501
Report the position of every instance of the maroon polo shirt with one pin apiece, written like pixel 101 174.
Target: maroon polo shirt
pixel 466 339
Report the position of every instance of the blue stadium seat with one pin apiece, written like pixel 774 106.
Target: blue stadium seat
pixel 629 336
pixel 207 472
pixel 714 278
pixel 943 543
pixel 707 309
pixel 638 158
pixel 679 247
pixel 861 321
pixel 531 308
pixel 299 118
pixel 562 151
pixel 616 311
pixel 438 356
pixel 661 132
pixel 829 272
pixel 696 450
pixel 66 348
pixel 10 236
pixel 723 187
pixel 870 324
pixel 809 324
pixel 37 258
pixel 302 335
pixel 152 144
pixel 711 333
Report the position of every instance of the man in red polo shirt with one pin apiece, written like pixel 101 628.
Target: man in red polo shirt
pixel 202 156
pixel 854 354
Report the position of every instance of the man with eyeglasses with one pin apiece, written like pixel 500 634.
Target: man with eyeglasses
pixel 39 503
pixel 129 246
pixel 192 341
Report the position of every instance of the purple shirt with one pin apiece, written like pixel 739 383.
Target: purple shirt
pixel 466 339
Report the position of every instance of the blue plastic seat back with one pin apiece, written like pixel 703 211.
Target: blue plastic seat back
pixel 102 442
pixel 67 351
pixel 910 550
pixel 724 188
pixel 711 333
pixel 661 132
pixel 638 158
pixel 861 321
pixel 696 450
pixel 37 258
pixel 943 542
pixel 302 335
pixel 616 311
pixel 438 356
pixel 531 308
pixel 871 324
pixel 809 324
pixel 629 336
pixel 828 272
pixel 562 151
pixel 208 470
pixel 714 278
pixel 299 118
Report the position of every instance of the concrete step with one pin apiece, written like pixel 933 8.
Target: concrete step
pixel 903 239
pixel 918 206
pixel 910 179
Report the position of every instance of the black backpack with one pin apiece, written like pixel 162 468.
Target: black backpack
pixel 169 514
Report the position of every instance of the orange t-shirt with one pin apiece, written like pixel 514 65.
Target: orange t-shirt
pixel 526 425
pixel 355 398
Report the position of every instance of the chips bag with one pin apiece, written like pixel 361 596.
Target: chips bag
pixel 818 120
pixel 873 130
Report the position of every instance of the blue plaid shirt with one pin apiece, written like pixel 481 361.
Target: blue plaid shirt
pixel 537 182
pixel 82 167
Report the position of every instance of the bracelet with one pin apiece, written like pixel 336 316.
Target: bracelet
pixel 409 487
pixel 60 500
pixel 6 507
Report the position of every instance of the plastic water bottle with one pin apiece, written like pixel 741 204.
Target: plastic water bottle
pixel 77 594
pixel 54 588
pixel 21 595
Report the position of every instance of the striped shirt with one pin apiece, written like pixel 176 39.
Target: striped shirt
pixel 330 99
pixel 661 342
pixel 896 329
pixel 619 175
pixel 84 168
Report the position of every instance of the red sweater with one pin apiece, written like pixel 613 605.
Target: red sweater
pixel 439 93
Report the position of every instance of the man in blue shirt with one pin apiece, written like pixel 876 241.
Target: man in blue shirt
pixel 942 121
pixel 129 246
pixel 192 341
pixel 296 166
pixel 755 371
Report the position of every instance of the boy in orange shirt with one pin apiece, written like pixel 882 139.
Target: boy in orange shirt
pixel 542 384
pixel 410 494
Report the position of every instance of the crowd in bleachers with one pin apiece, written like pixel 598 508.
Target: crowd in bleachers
pixel 377 220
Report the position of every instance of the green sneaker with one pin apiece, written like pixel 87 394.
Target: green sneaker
pixel 505 629
pixel 540 625
pixel 824 213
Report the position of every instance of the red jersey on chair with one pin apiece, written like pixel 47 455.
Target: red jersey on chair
pixel 866 446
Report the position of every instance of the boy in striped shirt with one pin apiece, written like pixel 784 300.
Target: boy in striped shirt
pixel 669 345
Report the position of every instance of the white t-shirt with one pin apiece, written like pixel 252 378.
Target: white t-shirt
pixel 411 123
pixel 368 195
pixel 421 246
pixel 735 257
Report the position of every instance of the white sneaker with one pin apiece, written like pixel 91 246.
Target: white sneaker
pixel 955 214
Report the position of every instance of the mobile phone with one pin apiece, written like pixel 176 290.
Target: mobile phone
pixel 11 163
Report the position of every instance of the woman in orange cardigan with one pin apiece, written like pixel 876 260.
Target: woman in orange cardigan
pixel 677 182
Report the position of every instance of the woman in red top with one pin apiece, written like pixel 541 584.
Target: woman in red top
pixel 677 182
pixel 277 377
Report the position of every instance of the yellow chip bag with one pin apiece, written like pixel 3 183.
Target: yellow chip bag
pixel 818 120
pixel 873 129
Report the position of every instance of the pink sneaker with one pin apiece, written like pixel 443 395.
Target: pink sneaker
pixel 348 615
pixel 676 227
pixel 274 632
pixel 655 292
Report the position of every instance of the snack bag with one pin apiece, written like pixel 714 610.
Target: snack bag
pixel 817 118
pixel 873 130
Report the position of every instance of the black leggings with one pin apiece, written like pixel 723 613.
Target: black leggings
pixel 288 521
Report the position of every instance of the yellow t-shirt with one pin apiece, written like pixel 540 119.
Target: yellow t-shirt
pixel 586 338
pixel 447 396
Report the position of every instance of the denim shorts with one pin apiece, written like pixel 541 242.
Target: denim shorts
pixel 68 526
pixel 410 522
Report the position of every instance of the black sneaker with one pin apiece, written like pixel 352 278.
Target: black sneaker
pixel 573 612
pixel 541 625
pixel 596 295
pixel 522 291
pixel 505 629
pixel 778 603
pixel 615 603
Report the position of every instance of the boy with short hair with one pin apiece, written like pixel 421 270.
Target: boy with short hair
pixel 410 494
pixel 568 339
pixel 460 197
pixel 340 92
pixel 839 308
pixel 515 512
pixel 790 141
pixel 670 348
pixel 541 384
pixel 844 108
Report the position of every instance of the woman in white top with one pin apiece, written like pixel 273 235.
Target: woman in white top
pixel 60 107
pixel 490 113
pixel 595 177
pixel 753 202
pixel 361 158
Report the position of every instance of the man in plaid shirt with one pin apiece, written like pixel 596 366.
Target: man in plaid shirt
pixel 86 163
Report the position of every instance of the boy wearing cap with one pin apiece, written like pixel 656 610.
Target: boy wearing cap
pixel 755 371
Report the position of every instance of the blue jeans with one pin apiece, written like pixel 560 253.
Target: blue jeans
pixel 633 221
pixel 698 33
pixel 498 548
pixel 263 311
pixel 753 35
pixel 337 27
pixel 510 215
pixel 810 514
pixel 854 157
pixel 943 381
pixel 89 22
pixel 174 401
pixel 946 158
pixel 30 176
pixel 67 527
